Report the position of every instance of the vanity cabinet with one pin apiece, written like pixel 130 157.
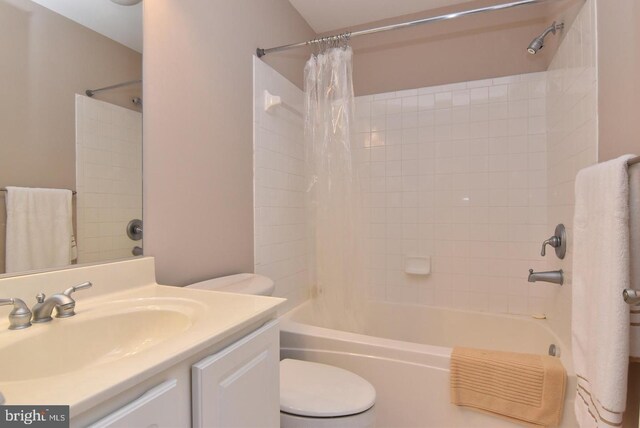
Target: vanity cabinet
pixel 152 409
pixel 235 384
pixel 240 385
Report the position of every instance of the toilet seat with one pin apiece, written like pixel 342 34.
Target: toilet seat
pixel 312 395
pixel 322 391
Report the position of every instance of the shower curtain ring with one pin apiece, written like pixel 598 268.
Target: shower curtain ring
pixel 346 38
pixel 316 46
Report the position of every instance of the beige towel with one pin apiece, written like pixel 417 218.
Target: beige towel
pixel 524 388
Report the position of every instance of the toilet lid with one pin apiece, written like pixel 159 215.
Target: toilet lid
pixel 319 390
pixel 243 283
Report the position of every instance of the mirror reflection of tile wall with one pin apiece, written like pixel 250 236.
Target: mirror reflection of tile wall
pixel 108 177
pixel 47 59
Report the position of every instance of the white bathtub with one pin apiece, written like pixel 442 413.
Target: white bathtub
pixel 404 352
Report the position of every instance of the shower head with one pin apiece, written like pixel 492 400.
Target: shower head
pixel 137 101
pixel 535 45
pixel 538 43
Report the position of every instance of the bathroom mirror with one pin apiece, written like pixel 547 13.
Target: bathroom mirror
pixel 54 136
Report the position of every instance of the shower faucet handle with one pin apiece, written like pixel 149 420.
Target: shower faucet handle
pixel 557 241
pixel 554 241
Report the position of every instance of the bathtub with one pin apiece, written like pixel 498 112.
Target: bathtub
pixel 404 351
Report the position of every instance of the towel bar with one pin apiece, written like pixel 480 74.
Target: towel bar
pixel 73 192
pixel 632 297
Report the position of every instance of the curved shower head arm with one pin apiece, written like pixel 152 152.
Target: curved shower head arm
pixel 552 29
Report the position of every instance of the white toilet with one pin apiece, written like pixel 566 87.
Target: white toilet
pixel 312 395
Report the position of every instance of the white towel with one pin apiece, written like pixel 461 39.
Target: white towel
pixel 600 317
pixel 39 228
pixel 634 254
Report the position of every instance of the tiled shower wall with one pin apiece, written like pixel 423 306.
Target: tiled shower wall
pixel 572 120
pixel 457 174
pixel 473 176
pixel 280 221
pixel 108 178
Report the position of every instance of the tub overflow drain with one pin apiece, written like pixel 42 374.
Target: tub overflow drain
pixel 554 351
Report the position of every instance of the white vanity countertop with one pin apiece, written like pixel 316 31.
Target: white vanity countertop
pixel 73 361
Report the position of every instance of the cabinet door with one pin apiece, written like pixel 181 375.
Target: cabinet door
pixel 154 409
pixel 240 385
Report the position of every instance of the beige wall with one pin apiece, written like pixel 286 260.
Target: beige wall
pixel 478 47
pixel 619 78
pixel 46 60
pixel 198 169
pixel 619 111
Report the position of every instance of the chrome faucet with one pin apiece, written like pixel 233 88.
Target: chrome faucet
pixel 64 304
pixel 554 276
pixel 20 316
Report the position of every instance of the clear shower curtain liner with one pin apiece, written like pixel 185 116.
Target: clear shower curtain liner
pixel 333 190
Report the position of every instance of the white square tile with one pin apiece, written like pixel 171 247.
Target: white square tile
pixel 378 108
pixel 479 95
pixel 461 98
pixel 394 122
pixel 518 91
pixel 498 93
pixel 410 104
pixel 394 106
pixel 443 100
pixel 426 102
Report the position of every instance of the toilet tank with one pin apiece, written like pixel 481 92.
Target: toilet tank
pixel 243 283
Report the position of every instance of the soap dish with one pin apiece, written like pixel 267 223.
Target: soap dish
pixel 417 265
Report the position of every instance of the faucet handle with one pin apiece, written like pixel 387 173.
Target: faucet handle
pixel 78 287
pixel 20 316
pixel 68 309
pixel 557 241
pixel 554 241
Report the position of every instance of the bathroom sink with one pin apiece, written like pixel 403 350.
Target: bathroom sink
pixel 120 336
pixel 115 331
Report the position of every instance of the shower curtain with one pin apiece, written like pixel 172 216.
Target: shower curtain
pixel 333 190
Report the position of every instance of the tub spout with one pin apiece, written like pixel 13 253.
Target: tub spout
pixel 554 276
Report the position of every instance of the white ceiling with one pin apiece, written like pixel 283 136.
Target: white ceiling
pixel 120 23
pixel 329 15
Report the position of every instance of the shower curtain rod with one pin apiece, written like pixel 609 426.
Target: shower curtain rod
pixel 92 92
pixel 348 35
